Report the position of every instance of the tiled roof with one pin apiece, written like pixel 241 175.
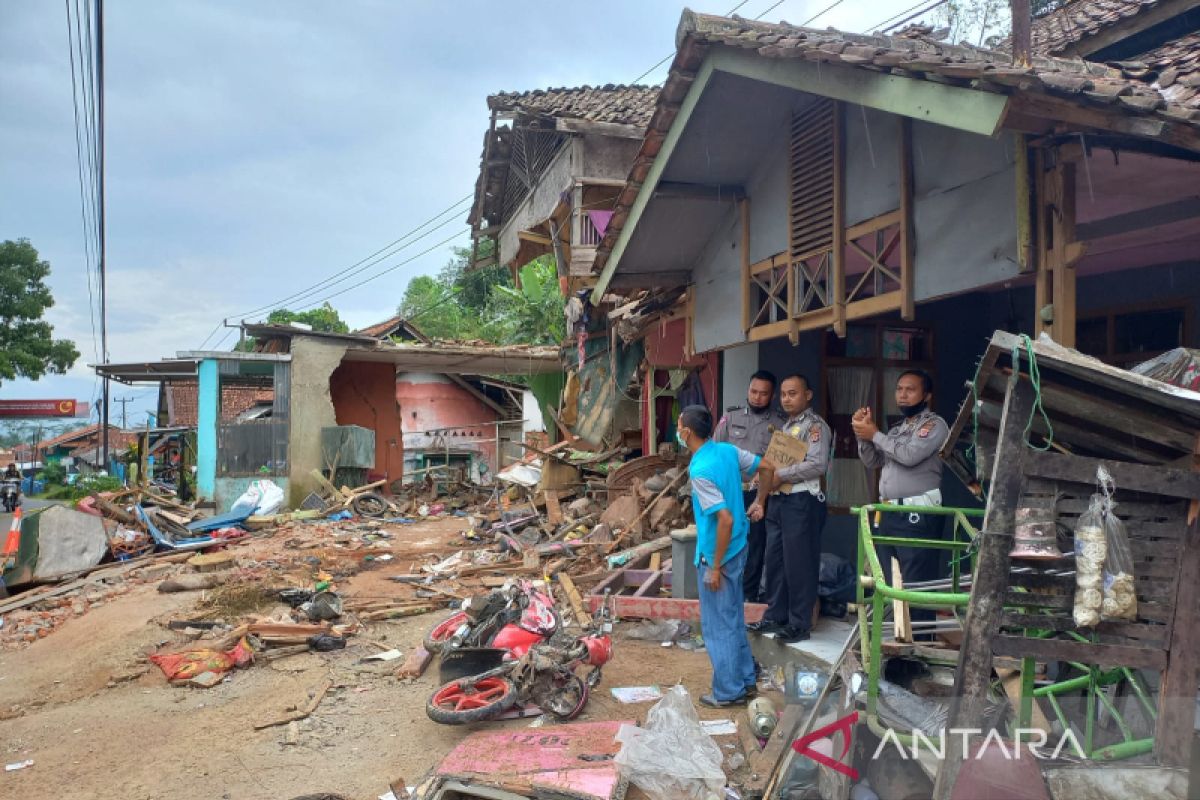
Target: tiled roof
pixel 182 407
pixel 1174 68
pixel 392 327
pixel 1057 30
pixel 1114 93
pixel 626 105
pixel 79 433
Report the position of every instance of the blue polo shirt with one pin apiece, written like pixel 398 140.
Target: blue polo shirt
pixel 716 472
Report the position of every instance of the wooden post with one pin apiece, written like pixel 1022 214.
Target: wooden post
pixel 1062 261
pixel 1026 260
pixel 1042 205
pixel 1022 33
pixel 838 257
pixel 989 581
pixel 1177 695
pixel 908 243
pixel 744 212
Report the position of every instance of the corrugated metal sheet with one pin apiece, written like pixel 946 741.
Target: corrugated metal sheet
pixel 283 390
pixel 252 448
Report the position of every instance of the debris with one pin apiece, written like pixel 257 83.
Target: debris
pixel 206 679
pixel 386 655
pixel 323 606
pixel 577 607
pixel 620 512
pixel 634 553
pixel 292 736
pixel 671 757
pixel 212 562
pixel 261 498
pixel 18 765
pixel 666 630
pixel 636 694
pixel 191 583
pixel 188 664
pixel 326 643
pixel 415 665
pixel 303 713
pixel 719 727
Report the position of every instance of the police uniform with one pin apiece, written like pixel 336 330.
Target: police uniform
pixel 751 431
pixel 795 519
pixel 911 476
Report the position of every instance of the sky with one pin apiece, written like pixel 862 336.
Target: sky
pixel 253 149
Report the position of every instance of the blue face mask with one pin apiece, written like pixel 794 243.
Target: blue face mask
pixel 679 438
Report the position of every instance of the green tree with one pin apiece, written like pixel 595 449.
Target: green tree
pixel 984 22
pixel 531 314
pixel 452 304
pixel 26 347
pixel 324 318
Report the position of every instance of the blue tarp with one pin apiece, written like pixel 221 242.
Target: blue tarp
pixel 233 519
pixel 163 540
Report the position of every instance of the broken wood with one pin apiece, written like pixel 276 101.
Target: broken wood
pixel 616 542
pixel 634 553
pixel 395 613
pixel 575 600
pixel 303 713
pixel 553 510
pixel 902 626
pixel 191 583
pixel 628 606
pixel 414 666
pixel 1010 679
pixel 763 764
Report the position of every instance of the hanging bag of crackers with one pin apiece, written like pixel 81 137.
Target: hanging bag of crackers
pixel 1104 585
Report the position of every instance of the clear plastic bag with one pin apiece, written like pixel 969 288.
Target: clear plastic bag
pixel 1090 549
pixel 671 758
pixel 1119 591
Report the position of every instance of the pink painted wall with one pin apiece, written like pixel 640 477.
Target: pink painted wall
pixel 363 393
pixel 430 402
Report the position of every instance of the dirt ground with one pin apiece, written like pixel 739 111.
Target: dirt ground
pixel 99 722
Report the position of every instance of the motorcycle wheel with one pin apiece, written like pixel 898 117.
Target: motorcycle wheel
pixel 567 698
pixel 438 635
pixel 459 702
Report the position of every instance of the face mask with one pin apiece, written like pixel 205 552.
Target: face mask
pixel 679 438
pixel 912 411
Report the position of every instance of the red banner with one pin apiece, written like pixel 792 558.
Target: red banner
pixel 43 408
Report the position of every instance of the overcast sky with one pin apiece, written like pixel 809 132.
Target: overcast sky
pixel 257 147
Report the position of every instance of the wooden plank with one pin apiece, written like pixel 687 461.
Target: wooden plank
pixel 1141 631
pixel 744 217
pixel 663 607
pixel 1043 205
pixel 837 285
pixel 553 509
pixel 304 712
pixel 1088 653
pixel 762 765
pixel 655 562
pixel 902 627
pixel 1010 680
pixel 1134 477
pixel 581 615
pixel 989 583
pixel 908 238
pixel 879 223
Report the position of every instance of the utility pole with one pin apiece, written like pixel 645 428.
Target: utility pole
pixel 123 401
pixel 100 217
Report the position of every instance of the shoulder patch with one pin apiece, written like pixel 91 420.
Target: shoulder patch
pixel 927 429
pixel 814 433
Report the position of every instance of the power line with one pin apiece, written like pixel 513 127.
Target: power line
pixel 83 216
pixel 668 56
pixel 823 12
pixel 356 268
pixel 888 22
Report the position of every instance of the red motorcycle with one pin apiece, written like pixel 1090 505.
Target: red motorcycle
pixel 512 618
pixel 544 675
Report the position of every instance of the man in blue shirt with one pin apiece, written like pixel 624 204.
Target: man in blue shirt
pixel 716 471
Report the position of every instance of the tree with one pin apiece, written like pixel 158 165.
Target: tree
pixel 531 314
pixel 325 319
pixel 984 22
pixel 452 304
pixel 27 348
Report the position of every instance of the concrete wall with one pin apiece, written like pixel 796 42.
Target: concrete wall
pixel 313 363
pixel 364 393
pixel 737 365
pixel 432 402
pixel 606 157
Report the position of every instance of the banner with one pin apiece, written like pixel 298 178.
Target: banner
pixel 43 408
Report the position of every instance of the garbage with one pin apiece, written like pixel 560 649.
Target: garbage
pixel 719 727
pixel 261 498
pixel 636 694
pixel 323 606
pixel 671 758
pixel 666 630
pixel 18 765
pixel 188 664
pixel 386 655
pixel 325 643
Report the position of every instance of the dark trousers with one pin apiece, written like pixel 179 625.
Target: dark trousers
pixel 756 543
pixel 916 563
pixel 793 555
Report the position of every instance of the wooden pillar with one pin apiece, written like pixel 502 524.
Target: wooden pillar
pixel 1177 694
pixel 744 213
pixel 1058 252
pixel 838 258
pixel 908 301
pixel 989 581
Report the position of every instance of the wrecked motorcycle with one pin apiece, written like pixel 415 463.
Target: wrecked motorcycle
pixel 544 675
pixel 512 618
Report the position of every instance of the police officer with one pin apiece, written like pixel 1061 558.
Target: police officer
pixel 795 519
pixel 749 428
pixel 912 476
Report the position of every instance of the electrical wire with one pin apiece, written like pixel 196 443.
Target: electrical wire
pixel 356 268
pixel 822 12
pixel 891 22
pixel 83 215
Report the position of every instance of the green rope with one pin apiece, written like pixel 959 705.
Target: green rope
pixel 1035 379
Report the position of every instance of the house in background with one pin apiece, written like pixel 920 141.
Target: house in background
pixel 241 399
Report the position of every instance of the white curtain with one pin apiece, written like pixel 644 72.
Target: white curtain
pixel 849 390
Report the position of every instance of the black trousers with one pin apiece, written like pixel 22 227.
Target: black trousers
pixel 916 563
pixel 756 543
pixel 794 525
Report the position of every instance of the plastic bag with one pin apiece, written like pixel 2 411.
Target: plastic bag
pixel 1090 549
pixel 671 758
pixel 262 498
pixel 1119 593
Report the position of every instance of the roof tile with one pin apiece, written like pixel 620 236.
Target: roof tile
pixel 626 105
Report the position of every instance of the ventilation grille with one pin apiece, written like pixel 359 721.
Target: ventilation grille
pixel 810 204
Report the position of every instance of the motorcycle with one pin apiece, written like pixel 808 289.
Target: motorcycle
pixel 544 675
pixel 10 494
pixel 512 618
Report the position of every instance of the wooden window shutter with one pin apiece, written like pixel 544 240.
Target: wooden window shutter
pixel 811 172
